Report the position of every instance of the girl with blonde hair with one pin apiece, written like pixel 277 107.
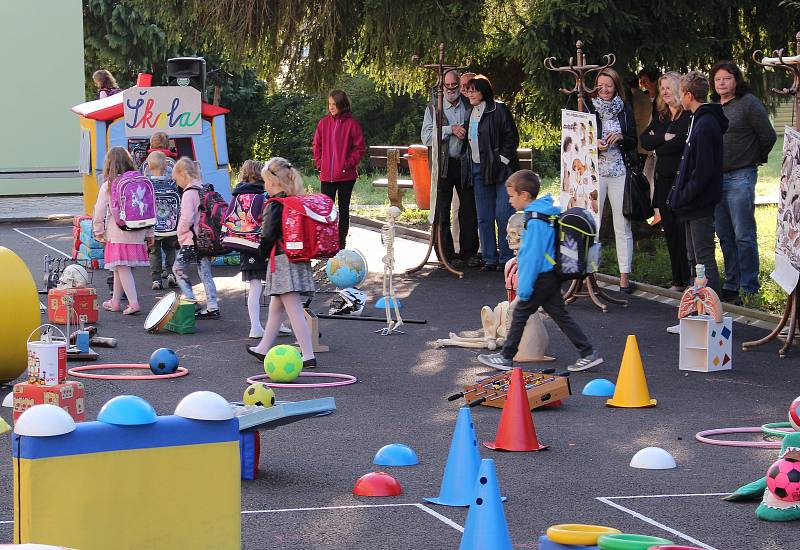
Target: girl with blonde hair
pixel 286 281
pixel 124 249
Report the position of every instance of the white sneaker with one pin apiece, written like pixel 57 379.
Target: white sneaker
pixel 284 330
pixel 674 329
pixel 256 333
pixel 585 362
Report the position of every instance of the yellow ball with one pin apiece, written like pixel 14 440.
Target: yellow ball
pixel 259 394
pixel 283 363
pixel 19 304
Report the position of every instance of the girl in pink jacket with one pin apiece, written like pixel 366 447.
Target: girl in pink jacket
pixel 338 148
pixel 124 249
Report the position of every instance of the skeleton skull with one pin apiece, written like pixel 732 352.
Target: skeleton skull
pixel 516 223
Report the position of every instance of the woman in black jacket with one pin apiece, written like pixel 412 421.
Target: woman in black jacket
pixel 666 135
pixel 492 155
pixel 616 141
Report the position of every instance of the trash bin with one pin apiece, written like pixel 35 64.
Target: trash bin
pixel 420 175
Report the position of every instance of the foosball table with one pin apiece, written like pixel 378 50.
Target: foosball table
pixel 542 388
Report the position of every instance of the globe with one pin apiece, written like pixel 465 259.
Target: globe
pixel 347 269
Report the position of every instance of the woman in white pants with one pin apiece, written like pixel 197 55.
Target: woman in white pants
pixel 617 138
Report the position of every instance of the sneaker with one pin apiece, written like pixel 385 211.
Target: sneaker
pixel 256 333
pixel 310 363
pixel 207 314
pixel 284 330
pixel 171 280
pixel 156 285
pixel 731 297
pixel 674 329
pixel 496 361
pixel 585 362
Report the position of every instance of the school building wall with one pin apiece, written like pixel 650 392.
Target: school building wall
pixel 42 45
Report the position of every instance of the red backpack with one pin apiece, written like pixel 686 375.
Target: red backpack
pixel 310 228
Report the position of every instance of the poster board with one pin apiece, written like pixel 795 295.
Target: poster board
pixel 579 175
pixel 787 233
pixel 170 109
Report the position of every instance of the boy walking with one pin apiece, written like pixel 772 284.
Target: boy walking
pixel 538 285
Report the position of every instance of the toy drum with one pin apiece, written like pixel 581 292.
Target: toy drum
pixel 162 312
pixel 47 358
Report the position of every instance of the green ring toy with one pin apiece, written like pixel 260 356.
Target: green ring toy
pixel 578 534
pixel 776 429
pixel 629 542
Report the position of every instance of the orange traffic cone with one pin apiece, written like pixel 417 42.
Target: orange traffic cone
pixel 631 389
pixel 516 431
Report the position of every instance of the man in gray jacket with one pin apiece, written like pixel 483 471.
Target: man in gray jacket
pixel 746 144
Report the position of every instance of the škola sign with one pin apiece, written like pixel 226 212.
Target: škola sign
pixel 170 109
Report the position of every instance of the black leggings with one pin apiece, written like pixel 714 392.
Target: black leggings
pixel 345 189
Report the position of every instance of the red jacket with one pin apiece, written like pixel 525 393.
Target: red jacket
pixel 338 147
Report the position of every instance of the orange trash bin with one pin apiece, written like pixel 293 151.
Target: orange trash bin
pixel 420 175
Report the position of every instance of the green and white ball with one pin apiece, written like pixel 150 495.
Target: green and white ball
pixel 259 394
pixel 283 363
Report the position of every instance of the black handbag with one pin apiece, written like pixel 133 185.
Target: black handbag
pixel 636 204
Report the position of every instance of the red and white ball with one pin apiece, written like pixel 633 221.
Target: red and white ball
pixel 783 479
pixel 794 414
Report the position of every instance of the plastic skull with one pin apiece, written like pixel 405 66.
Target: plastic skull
pixel 516 223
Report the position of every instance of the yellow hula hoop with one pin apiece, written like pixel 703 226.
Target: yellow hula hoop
pixel 578 534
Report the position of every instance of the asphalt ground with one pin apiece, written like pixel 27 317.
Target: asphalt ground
pixel 303 498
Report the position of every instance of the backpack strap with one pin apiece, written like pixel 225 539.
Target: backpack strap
pixel 552 222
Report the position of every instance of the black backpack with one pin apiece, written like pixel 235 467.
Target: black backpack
pixel 575 233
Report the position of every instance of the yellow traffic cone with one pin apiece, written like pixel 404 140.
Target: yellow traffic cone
pixel 631 389
pixel 4 427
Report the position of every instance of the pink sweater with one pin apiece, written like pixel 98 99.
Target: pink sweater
pixel 189 220
pixel 103 225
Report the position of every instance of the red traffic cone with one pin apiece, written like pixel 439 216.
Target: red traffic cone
pixel 516 431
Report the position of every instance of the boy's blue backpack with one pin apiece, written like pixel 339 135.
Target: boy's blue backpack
pixel 168 206
pixel 575 232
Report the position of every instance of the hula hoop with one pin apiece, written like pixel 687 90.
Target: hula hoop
pixel 578 534
pixel 83 372
pixel 778 429
pixel 629 542
pixel 344 380
pixel 703 437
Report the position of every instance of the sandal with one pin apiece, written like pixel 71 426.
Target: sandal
pixel 108 305
pixel 131 310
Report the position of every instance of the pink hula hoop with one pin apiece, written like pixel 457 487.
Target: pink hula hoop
pixel 83 372
pixel 344 380
pixel 703 437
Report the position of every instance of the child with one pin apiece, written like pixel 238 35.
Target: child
pixel 124 249
pixel 159 142
pixel 538 285
pixel 187 175
pixel 105 83
pixel 161 264
pixel 285 281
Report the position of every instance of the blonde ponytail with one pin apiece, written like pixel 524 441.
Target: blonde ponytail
pixel 289 178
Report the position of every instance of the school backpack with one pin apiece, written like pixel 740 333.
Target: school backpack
pixel 168 206
pixel 241 228
pixel 310 228
pixel 575 233
pixel 133 201
pixel 212 211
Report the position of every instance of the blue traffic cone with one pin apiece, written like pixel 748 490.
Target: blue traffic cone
pixel 486 527
pixel 463 462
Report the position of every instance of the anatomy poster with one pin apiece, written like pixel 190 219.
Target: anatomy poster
pixel 579 175
pixel 787 234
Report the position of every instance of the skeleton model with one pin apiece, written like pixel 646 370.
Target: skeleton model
pixel 496 322
pixel 389 300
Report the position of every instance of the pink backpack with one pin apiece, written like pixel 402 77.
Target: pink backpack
pixel 133 201
pixel 310 228
pixel 241 228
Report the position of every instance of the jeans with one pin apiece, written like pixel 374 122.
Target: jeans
pixel 161 264
pixel 736 229
pixel 467 218
pixel 614 187
pixel 491 202
pixel 700 248
pixel 547 294
pixel 345 191
pixel 185 257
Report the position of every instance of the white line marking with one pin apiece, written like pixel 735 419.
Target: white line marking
pixel 313 509
pixel 669 496
pixel 654 523
pixel 440 517
pixel 41 243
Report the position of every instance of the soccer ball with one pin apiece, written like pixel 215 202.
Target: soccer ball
pixel 794 414
pixel 259 394
pixel 163 361
pixel 283 363
pixel 783 479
